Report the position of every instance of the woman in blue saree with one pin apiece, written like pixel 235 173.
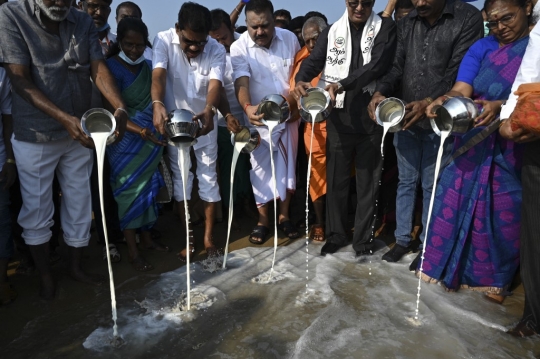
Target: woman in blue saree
pixel 135 178
pixel 474 229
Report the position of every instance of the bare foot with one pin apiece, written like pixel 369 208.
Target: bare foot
pixel 88 278
pixel 182 255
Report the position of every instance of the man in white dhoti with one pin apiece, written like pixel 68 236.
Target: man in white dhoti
pixel 262 60
pixel 188 74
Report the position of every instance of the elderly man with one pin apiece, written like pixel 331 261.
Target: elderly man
pixel 50 50
pixel 432 40
pixel 262 60
pixel 353 53
pixel 223 32
pixel 188 74
pixel 311 31
pixel 529 72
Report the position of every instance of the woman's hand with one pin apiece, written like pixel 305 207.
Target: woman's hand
pixel 233 126
pixel 490 111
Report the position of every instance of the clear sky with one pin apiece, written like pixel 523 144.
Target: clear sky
pixel 160 15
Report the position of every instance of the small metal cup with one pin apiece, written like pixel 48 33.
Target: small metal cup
pixel 317 99
pixel 181 129
pixel 391 110
pixel 249 136
pixel 456 115
pixel 99 120
pixel 275 108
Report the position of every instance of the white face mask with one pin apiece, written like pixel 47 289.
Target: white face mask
pixel 129 61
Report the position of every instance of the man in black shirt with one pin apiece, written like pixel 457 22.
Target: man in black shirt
pixel 432 41
pixel 351 54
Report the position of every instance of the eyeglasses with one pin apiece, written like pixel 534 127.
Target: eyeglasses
pixel 126 46
pixel 365 4
pixel 505 21
pixel 189 42
pixel 95 7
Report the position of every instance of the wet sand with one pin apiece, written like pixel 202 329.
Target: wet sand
pixel 32 328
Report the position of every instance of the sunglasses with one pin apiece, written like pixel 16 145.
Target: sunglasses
pixel 505 21
pixel 365 4
pixel 189 42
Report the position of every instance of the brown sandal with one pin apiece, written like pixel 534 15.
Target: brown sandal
pixel 317 233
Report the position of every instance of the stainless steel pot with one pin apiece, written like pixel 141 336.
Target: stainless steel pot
pixel 391 110
pixel 456 115
pixel 181 129
pixel 316 99
pixel 249 136
pixel 274 108
pixel 99 120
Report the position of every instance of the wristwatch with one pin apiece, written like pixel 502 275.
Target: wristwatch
pixel 213 108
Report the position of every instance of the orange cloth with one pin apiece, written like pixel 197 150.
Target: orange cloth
pixel 527 112
pixel 317 183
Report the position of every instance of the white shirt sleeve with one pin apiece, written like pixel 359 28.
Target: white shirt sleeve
pixel 239 60
pixel 217 68
pixel 529 71
pixel 5 93
pixel 160 56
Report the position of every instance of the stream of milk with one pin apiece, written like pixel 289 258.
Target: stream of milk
pixel 183 152
pixel 271 125
pixel 238 146
pixel 100 141
pixel 444 136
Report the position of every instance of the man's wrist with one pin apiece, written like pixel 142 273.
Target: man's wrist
pixel 211 108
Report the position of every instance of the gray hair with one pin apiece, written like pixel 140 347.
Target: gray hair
pixel 315 20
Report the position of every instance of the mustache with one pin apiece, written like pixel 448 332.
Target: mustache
pixel 58 8
pixel 423 8
pixel 260 37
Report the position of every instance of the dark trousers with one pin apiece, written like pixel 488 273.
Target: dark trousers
pixel 344 151
pixel 530 234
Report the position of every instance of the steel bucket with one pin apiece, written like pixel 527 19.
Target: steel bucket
pixel 317 99
pixel 391 110
pixel 456 115
pixel 249 136
pixel 181 129
pixel 99 120
pixel 275 108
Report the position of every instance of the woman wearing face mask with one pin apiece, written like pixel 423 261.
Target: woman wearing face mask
pixel 474 229
pixel 135 178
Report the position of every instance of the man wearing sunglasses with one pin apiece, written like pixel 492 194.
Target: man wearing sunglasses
pixel 432 41
pixel 352 53
pixel 188 74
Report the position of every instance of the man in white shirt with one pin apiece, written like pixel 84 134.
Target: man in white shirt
pixel 529 72
pixel 262 60
pixel 188 74
pixel 223 32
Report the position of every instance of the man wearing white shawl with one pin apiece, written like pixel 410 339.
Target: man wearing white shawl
pixel 351 54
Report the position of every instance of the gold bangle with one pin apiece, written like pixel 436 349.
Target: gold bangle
pixel 11 161
pixel 143 133
pixel 213 108
pixel 157 101
pixel 227 115
pixel 429 100
pixel 385 13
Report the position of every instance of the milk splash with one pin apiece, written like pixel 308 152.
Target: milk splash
pixel 444 136
pixel 100 141
pixel 238 146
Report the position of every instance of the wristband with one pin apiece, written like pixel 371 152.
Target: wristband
pixel 157 101
pixel 246 106
pixel 143 133
pixel 11 161
pixel 123 110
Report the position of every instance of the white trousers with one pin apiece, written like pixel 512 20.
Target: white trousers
pixel 206 157
pixel 37 164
